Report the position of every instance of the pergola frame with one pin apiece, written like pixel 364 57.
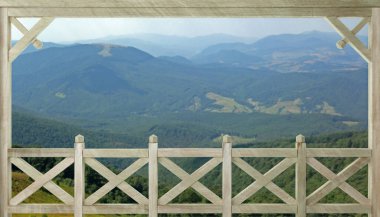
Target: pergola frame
pixel 332 10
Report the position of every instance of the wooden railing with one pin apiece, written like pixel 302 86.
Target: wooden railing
pixel 300 156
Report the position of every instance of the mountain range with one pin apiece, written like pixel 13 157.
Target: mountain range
pixel 301 77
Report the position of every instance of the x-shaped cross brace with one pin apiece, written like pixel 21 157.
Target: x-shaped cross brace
pixel 116 181
pixel 30 36
pixel 263 181
pixel 199 187
pixel 337 180
pixel 189 181
pixel 350 37
pixel 42 180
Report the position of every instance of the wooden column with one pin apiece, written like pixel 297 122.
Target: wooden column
pixel 227 176
pixel 5 112
pixel 301 176
pixel 153 176
pixel 79 176
pixel 374 113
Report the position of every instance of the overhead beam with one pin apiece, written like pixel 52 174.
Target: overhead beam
pixel 188 12
pixel 193 3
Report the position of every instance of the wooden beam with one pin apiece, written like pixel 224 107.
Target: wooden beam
pixel 374 113
pixel 153 176
pixel 79 176
pixel 189 12
pixel 227 176
pixel 24 42
pixel 193 3
pixel 342 43
pixel 5 112
pixel 350 38
pixel 36 43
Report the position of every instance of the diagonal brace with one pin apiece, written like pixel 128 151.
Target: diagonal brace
pixel 37 184
pixel 36 43
pixel 24 42
pixel 50 186
pixel 350 38
pixel 260 183
pixel 279 192
pixel 184 184
pixel 342 43
pixel 199 187
pixel 116 181
pixel 338 180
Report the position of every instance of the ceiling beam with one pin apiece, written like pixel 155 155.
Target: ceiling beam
pixel 188 12
pixel 192 3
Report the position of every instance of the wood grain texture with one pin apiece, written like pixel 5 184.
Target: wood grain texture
pixel 153 176
pixel 193 3
pixel 5 112
pixel 301 176
pixel 242 12
pixel 351 39
pixel 227 176
pixel 374 113
pixel 79 176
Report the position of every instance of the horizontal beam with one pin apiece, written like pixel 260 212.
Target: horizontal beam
pixel 41 152
pixel 339 152
pixel 339 208
pixel 188 12
pixel 115 153
pixel 192 3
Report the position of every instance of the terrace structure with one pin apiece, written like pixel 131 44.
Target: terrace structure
pixel 300 205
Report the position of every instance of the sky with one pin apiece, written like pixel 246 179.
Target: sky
pixel 71 30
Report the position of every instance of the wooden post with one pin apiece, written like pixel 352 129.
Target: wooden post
pixel 79 176
pixel 153 176
pixel 301 176
pixel 227 176
pixel 374 113
pixel 5 113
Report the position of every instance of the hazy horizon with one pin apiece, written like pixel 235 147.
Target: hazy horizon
pixel 73 30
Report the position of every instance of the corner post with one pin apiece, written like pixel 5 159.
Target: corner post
pixel 301 176
pixel 153 176
pixel 227 176
pixel 79 176
pixel 374 113
pixel 5 112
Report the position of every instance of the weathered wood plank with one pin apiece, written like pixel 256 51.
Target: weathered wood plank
pixel 199 187
pixel 264 208
pixel 264 152
pixel 41 209
pixel 189 12
pixel 339 152
pixel 227 176
pixel 374 113
pixel 50 186
pixel 153 176
pixel 5 112
pixel 193 3
pixel 301 176
pixel 189 152
pixel 342 43
pixel 104 209
pixel 79 176
pixel 116 153
pixel 339 208
pixel 190 208
pixel 41 152
pixel 184 184
pixel 35 186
